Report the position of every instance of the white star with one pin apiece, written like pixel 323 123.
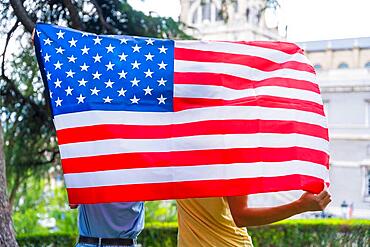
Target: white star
pixel 135 82
pixel 72 42
pixel 69 90
pixel 148 90
pixel 85 34
pixel 162 49
pixel 58 65
pixel 48 75
pixel 84 67
pixel 97 40
pixel 57 83
pixel 122 74
pixel 136 48
pixel 94 91
pixel 47 57
pixel 60 50
pixel 85 50
pixel 58 102
pixel 80 99
pixel 38 33
pixel 135 65
pixel 162 82
pixel 134 100
pixel 162 65
pixel 72 59
pixel 121 92
pixel 109 83
pixel 96 75
pixel 51 94
pixel 109 66
pixel 97 58
pixel 149 41
pixel 161 100
pixel 82 82
pixel 148 73
pixel 47 41
pixel 60 34
pixel 70 73
pixel 110 48
pixel 107 99
pixel 149 56
pixel 122 56
pixel 123 40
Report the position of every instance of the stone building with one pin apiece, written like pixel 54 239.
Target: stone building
pixel 246 20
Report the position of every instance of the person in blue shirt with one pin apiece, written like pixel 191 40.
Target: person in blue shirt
pixel 111 224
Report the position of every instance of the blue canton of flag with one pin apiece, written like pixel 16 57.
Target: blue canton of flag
pixel 86 71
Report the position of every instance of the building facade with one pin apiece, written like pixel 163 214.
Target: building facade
pixel 343 73
pixel 206 19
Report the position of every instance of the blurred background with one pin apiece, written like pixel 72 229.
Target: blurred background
pixel 334 35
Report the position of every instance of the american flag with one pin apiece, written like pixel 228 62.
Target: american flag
pixel 145 119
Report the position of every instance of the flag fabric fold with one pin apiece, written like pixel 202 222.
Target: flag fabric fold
pixel 146 119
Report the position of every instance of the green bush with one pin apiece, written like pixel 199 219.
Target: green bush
pixel 286 233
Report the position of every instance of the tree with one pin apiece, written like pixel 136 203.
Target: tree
pixel 6 226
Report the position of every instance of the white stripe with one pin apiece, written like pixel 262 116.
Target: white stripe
pixel 188 143
pixel 194 173
pixel 220 92
pixel 242 49
pixel 89 118
pixel 241 71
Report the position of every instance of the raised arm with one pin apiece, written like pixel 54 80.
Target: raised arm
pixel 245 216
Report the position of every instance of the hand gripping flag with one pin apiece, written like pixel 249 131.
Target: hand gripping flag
pixel 144 119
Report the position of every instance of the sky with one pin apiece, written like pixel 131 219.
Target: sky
pixel 306 19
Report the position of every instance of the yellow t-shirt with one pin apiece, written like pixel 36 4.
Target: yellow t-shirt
pixel 208 222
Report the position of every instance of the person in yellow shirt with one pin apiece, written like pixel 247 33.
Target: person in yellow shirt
pixel 221 221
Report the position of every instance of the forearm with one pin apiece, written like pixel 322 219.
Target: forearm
pixel 262 216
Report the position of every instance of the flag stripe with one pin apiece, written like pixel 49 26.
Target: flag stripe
pixel 204 142
pixel 193 173
pixel 240 71
pixel 192 158
pixel 274 55
pixel 285 47
pixel 219 92
pixel 113 131
pixel 176 190
pixel 181 104
pixel 88 118
pixel 259 63
pixel 234 82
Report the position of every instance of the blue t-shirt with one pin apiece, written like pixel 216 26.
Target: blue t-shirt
pixel 113 220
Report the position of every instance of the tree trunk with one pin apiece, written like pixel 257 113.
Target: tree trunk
pixel 7 236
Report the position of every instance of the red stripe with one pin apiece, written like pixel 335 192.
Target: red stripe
pixel 234 82
pixel 193 189
pixel 285 47
pixel 247 60
pixel 180 104
pixel 114 131
pixel 192 158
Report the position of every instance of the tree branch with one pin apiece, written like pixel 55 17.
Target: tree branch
pixel 73 12
pixel 106 26
pixel 22 15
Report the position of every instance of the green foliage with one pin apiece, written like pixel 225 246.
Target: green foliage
pixel 287 233
pixel 160 211
pixel 41 202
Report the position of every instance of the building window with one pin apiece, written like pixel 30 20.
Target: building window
pixel 206 11
pixel 317 66
pixel 367 183
pixel 367 65
pixel 343 66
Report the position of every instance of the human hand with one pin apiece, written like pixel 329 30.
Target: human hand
pixel 33 35
pixel 73 206
pixel 312 202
